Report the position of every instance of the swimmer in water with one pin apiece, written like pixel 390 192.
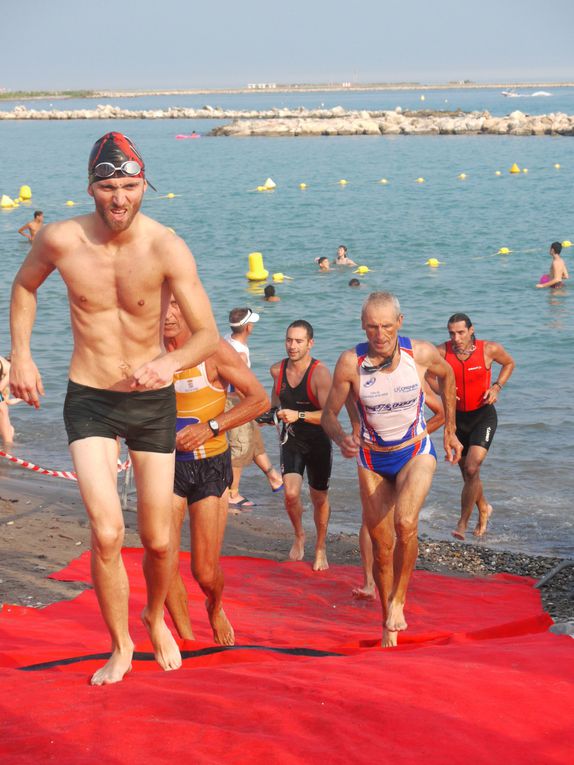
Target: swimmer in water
pixel 558 271
pixel 342 259
pixel 269 294
pixel 323 263
pixel 30 229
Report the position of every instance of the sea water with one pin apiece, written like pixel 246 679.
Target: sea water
pixel 394 229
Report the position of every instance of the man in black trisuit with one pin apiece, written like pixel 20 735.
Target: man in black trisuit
pixel 300 388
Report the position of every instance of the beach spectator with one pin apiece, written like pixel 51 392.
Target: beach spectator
pixel 396 458
pixel 203 467
pixel 6 427
pixel 342 259
pixel 120 268
pixel 30 229
pixel 300 387
pixel 476 418
pixel 269 294
pixel 558 271
pixel 245 441
pixel 323 263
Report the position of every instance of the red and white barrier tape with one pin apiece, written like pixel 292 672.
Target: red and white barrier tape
pixel 67 474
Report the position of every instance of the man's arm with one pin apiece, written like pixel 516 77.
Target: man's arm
pixel 496 352
pixel 254 401
pixel 187 289
pixel 340 393
pixel 434 403
pixel 555 277
pixel 25 380
pixel 22 230
pixel 320 384
pixel 426 355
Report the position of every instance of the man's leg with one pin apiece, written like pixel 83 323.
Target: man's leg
pixel 292 483
pixel 412 485
pixel 176 601
pixel 321 514
pixel 153 473
pixel 472 488
pixel 367 591
pixel 264 463
pixel 95 464
pixel 208 518
pixel 378 497
pixel 484 513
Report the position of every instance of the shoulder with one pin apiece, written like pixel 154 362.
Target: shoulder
pixel 275 369
pixel 58 236
pixel 442 348
pixel 492 349
pixel 321 373
pixel 424 352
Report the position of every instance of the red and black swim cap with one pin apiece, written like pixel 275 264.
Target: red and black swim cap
pixel 115 149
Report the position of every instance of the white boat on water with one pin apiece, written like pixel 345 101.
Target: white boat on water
pixel 514 94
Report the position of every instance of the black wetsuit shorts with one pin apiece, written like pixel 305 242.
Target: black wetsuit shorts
pixel 317 457
pixel 146 419
pixel 198 479
pixel 476 428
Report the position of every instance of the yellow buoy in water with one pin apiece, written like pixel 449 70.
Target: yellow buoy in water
pixel 514 169
pixel 257 272
pixel 362 270
pixel 302 185
pixel 434 262
pixel 171 195
pixel 342 182
pixel 383 181
pixel 25 193
pixel 6 202
pixel 462 177
pixel 69 203
pixel 420 180
pixel 524 169
pixel 504 251
pixel 422 98
pixel 566 243
pixel 498 172
pixel 557 166
pixel 269 184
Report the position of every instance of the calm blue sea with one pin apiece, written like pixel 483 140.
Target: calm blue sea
pixel 394 229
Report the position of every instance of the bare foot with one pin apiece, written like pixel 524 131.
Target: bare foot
pixel 395 617
pixel 113 671
pixel 165 648
pixel 482 525
pixel 223 633
pixel 297 551
pixel 321 563
pixel 458 534
pixel 367 592
pixel 390 638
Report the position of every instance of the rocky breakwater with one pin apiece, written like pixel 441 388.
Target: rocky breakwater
pixel 340 122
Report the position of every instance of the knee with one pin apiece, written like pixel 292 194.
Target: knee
pixel 206 575
pixel 160 547
pixel 291 498
pixel 470 471
pixel 406 529
pixel 107 540
pixel 382 550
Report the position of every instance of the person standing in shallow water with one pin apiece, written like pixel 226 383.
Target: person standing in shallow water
pixel 120 268
pixel 476 418
pixel 395 456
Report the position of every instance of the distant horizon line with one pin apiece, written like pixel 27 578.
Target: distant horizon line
pixel 271 87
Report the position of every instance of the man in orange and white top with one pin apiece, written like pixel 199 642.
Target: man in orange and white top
pixel 203 467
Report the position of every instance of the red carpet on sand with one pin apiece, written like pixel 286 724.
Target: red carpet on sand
pixel 477 678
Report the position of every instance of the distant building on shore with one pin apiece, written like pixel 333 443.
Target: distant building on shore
pixel 261 85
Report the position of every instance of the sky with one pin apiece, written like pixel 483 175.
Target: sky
pixel 181 44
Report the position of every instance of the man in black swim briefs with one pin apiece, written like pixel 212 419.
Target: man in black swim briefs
pixel 120 268
pixel 476 418
pixel 300 388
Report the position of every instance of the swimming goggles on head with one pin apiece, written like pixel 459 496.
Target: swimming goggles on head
pixel 130 168
pixel 385 363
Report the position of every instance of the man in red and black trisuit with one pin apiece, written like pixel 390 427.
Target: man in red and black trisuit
pixel 300 388
pixel 476 419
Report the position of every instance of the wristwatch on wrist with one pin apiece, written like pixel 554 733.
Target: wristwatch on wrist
pixel 214 425
pixel 301 415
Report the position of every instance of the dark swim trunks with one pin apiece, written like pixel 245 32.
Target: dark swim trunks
pixel 318 462
pixel 146 419
pixel 199 479
pixel 476 428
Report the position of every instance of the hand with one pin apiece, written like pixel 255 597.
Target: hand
pixel 26 382
pixel 540 286
pixel 349 445
pixel 288 416
pixel 155 374
pixel 191 437
pixel 452 444
pixel 491 395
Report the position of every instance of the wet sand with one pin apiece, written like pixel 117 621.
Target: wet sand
pixel 43 526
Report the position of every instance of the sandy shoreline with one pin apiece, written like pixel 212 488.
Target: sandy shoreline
pixel 43 527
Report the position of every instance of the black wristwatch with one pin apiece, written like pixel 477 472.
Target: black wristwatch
pixel 301 415
pixel 214 425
